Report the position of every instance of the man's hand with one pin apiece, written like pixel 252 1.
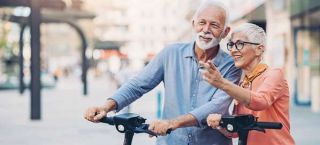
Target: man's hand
pixel 160 127
pixel 94 114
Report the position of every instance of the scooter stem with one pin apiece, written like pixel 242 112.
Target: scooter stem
pixel 128 137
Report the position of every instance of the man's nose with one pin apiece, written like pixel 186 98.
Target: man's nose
pixel 206 29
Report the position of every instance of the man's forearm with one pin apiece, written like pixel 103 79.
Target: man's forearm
pixel 183 121
pixel 109 105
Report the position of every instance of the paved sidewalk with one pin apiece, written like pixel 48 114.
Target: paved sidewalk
pixel 63 124
pixel 62 120
pixel 305 126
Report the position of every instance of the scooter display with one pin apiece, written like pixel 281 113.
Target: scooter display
pixel 129 124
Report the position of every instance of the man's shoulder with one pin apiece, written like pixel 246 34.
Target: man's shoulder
pixel 276 73
pixel 177 49
pixel 179 46
pixel 225 57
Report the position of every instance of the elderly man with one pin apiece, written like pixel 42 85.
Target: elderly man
pixel 188 98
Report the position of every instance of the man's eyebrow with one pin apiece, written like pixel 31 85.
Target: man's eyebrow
pixel 215 22
pixel 201 19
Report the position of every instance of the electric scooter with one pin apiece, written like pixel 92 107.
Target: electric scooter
pixel 130 123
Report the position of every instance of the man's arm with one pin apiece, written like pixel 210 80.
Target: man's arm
pixel 220 100
pixel 218 104
pixel 162 126
pixel 142 83
pixel 149 78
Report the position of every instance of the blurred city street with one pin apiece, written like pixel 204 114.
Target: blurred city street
pixel 78 47
pixel 62 120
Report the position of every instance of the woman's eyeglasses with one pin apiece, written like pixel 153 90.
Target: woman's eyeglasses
pixel 239 44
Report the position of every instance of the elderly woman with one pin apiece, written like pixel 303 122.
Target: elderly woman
pixel 263 91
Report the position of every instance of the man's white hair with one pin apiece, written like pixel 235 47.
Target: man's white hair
pixel 253 32
pixel 212 3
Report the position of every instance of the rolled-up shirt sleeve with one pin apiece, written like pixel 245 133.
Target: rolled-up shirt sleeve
pixel 220 100
pixel 142 83
pixel 269 91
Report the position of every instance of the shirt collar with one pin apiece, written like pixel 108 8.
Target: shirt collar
pixel 219 57
pixel 189 53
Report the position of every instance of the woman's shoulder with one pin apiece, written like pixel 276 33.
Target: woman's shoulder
pixel 274 74
pixel 274 71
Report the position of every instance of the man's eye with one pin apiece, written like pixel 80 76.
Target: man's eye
pixel 214 25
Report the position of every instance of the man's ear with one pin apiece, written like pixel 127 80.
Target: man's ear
pixel 193 24
pixel 226 32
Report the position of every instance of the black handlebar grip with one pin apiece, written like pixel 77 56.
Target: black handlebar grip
pixel 269 125
pixel 108 120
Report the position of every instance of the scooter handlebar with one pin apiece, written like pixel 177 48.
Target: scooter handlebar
pixel 130 121
pixel 108 120
pixel 269 125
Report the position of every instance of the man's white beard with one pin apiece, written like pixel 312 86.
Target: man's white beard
pixel 206 45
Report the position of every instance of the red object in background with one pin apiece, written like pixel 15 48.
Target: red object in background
pixel 150 55
pixel 105 54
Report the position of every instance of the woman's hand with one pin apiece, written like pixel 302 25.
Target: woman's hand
pixel 213 120
pixel 212 75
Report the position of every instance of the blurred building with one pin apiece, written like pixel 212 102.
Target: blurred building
pixel 141 27
pixel 305 40
pixel 293 29
pixel 60 40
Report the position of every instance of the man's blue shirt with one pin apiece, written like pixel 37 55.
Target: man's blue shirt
pixel 185 92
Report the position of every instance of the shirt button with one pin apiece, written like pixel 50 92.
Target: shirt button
pixel 189 136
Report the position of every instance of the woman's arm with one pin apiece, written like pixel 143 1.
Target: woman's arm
pixel 273 87
pixel 213 76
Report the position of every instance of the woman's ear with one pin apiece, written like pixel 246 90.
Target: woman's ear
pixel 260 50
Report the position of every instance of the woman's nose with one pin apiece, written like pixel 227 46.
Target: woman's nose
pixel 233 49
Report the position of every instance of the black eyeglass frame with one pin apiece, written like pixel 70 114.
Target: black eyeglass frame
pixel 229 48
